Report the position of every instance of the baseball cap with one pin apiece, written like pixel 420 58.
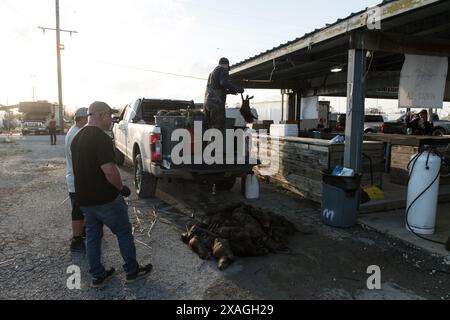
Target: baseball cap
pixel 81 112
pixel 224 61
pixel 99 107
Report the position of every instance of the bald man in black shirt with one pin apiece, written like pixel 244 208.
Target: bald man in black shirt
pixel 100 194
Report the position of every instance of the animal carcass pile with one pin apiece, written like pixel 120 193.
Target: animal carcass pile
pixel 240 230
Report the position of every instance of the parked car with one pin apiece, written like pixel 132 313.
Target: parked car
pixel 441 127
pixel 372 123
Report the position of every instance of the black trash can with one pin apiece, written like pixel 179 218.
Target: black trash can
pixel 340 199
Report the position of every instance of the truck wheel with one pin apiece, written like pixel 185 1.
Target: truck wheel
pixel 439 132
pixel 119 157
pixel 144 182
pixel 225 185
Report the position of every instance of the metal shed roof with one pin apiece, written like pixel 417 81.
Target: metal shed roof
pixel 412 26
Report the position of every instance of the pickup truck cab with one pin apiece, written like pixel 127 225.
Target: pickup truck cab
pixel 140 140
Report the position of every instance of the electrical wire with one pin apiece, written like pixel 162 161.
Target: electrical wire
pixel 414 161
pixel 151 70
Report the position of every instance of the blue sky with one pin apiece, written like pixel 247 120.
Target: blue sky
pixel 119 41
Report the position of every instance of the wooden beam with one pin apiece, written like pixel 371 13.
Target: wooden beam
pixel 399 43
pixel 266 84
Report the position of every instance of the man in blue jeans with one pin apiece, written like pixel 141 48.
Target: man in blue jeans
pixel 100 194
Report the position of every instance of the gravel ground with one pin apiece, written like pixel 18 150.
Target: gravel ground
pixel 323 263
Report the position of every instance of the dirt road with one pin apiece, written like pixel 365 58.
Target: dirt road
pixel 323 263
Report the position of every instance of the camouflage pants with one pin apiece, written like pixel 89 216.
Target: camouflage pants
pixel 215 115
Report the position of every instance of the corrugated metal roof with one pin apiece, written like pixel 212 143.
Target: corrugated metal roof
pixel 309 34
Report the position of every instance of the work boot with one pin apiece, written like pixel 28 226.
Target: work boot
pixel 140 273
pixel 77 244
pixel 100 282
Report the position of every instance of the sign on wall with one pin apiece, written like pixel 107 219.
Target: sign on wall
pixel 422 82
pixel 309 107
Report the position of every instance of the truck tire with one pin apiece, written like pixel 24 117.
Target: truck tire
pixel 144 182
pixel 225 185
pixel 439 132
pixel 119 157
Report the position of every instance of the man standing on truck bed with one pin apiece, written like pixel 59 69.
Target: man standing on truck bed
pixel 100 193
pixel 216 94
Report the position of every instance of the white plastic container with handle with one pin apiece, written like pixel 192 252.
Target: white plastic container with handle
pixel 251 187
pixel 423 192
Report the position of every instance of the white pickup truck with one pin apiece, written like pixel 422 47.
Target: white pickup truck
pixel 138 139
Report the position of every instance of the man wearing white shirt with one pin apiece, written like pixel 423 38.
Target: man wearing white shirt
pixel 77 243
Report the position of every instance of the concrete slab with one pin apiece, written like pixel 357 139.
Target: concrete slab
pixel 393 224
pixel 395 197
pixel 389 291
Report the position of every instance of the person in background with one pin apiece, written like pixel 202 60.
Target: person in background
pixel 420 124
pixel 100 193
pixel 320 124
pixel 52 129
pixel 77 243
pixel 340 122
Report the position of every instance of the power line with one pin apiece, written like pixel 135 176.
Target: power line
pixel 238 13
pixel 17 12
pixel 151 70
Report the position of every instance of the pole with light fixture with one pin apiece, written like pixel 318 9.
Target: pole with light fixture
pixel 59 47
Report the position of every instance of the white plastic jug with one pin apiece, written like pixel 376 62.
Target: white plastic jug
pixel 251 186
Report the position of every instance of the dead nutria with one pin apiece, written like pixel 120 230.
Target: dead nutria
pixel 186 236
pixel 222 252
pixel 199 248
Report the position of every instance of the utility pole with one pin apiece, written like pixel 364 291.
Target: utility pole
pixel 58 58
pixel 59 47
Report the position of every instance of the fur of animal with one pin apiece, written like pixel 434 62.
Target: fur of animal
pixel 199 248
pixel 263 217
pixel 222 252
pixel 248 223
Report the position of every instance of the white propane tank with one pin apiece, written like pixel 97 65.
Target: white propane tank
pixel 422 214
pixel 251 186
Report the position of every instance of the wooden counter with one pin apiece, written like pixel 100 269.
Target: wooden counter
pixel 407 140
pixel 298 164
pixel 401 147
